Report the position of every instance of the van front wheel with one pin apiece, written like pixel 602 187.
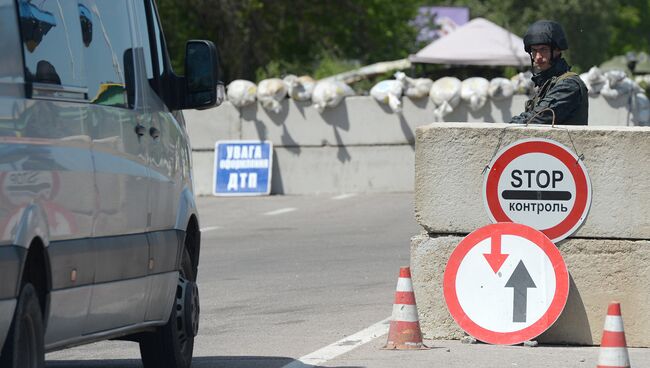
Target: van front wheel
pixel 171 345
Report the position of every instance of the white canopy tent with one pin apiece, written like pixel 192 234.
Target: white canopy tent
pixel 478 42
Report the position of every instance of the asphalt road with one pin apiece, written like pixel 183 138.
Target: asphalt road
pixel 283 276
pixel 296 281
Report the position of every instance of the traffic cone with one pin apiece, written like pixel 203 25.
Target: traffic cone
pixel 404 332
pixel 613 348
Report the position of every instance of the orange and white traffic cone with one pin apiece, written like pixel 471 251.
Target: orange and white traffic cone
pixel 404 332
pixel 613 347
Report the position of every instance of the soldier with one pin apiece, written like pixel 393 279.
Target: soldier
pixel 560 96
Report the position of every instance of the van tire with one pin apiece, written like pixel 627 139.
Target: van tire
pixel 24 346
pixel 171 345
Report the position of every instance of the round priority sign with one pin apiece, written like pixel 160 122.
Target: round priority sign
pixel 539 183
pixel 505 283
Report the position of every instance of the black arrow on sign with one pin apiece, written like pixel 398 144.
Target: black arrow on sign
pixel 520 281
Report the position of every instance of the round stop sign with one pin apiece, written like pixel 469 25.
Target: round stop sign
pixel 539 183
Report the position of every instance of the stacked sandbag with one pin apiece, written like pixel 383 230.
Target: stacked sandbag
pixel 500 89
pixel 523 83
pixel 643 81
pixel 388 92
pixel 618 85
pixel 299 88
pixel 270 93
pixel 414 87
pixel 475 92
pixel 594 80
pixel 445 94
pixel 641 109
pixel 329 93
pixel 241 92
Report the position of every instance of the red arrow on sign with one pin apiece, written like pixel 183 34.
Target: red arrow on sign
pixel 495 258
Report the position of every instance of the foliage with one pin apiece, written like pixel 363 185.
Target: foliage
pixel 596 29
pixel 263 38
pixel 630 31
pixel 257 37
pixel 178 28
pixel 330 65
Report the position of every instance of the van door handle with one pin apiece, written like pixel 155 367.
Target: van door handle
pixel 139 130
pixel 154 132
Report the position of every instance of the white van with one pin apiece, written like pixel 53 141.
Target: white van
pixel 99 231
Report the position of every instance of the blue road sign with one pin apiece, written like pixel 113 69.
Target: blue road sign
pixel 242 168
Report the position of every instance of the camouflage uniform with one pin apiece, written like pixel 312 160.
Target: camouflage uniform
pixel 560 90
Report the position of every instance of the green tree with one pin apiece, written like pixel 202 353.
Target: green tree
pixel 257 37
pixel 179 26
pixel 586 22
pixel 596 29
pixel 262 38
pixel 631 28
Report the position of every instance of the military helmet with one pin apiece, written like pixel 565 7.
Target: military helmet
pixel 545 32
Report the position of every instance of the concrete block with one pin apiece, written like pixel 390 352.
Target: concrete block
pixel 610 112
pixel 358 124
pixel 358 120
pixel 342 169
pixel 602 111
pixel 451 157
pixel 428 261
pixel 601 270
pixel 361 120
pixel 297 124
pixel 203 172
pixel 206 127
pixel 492 112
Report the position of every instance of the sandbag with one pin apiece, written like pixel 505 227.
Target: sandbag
pixel 388 92
pixel 594 80
pixel 299 88
pixel 500 89
pixel 641 111
pixel 618 85
pixel 441 111
pixel 414 87
pixel 643 81
pixel 290 80
pixel 329 93
pixel 475 92
pixel 270 93
pixel 446 89
pixel 523 83
pixel 241 92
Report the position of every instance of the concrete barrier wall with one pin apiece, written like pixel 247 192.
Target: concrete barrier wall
pixel 453 155
pixel 339 150
pixel 608 257
pixel 328 169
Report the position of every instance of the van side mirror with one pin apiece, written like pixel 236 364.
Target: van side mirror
pixel 202 86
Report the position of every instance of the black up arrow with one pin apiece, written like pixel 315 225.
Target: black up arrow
pixel 520 281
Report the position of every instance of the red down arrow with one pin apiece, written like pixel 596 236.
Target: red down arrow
pixel 495 258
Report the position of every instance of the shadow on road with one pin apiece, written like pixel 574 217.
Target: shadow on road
pixel 197 362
